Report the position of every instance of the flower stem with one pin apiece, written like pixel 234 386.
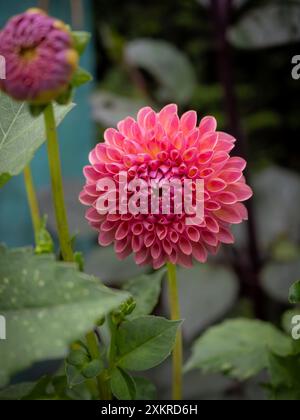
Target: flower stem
pixel 175 315
pixel 32 202
pixel 57 185
pixel 94 350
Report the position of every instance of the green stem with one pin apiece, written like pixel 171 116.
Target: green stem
pixel 32 202
pixel 175 315
pixel 112 347
pixel 57 185
pixel 93 346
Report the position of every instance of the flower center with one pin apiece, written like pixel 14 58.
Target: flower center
pixel 28 53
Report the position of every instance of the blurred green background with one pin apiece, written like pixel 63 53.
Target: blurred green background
pixel 231 59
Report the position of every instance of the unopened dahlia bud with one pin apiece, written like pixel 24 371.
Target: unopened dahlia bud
pixel 40 57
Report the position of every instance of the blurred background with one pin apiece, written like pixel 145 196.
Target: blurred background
pixel 227 58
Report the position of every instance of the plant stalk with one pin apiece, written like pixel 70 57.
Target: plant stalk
pixel 178 351
pixel 32 202
pixel 57 185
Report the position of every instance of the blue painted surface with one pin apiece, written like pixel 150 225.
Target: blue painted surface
pixel 76 136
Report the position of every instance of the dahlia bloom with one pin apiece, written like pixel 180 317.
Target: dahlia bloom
pixel 40 57
pixel 161 146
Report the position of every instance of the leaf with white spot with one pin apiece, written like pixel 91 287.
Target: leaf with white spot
pixel 20 135
pixel 46 305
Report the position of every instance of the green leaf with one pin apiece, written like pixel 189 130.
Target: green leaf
pixel 295 293
pixel 285 377
pixel 145 342
pixel 81 40
pixel 78 357
pixel 277 278
pixel 238 348
pixel 47 305
pixel 21 135
pixel 145 390
pixel 168 65
pixel 4 178
pixel 267 26
pixel 74 376
pixel 145 290
pixel 79 373
pixel 16 392
pixel 45 244
pixel 40 389
pixel 122 385
pixel 37 110
pixel 81 77
pixel 92 369
pixel 66 96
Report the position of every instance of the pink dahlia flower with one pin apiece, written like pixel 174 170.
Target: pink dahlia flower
pixel 39 55
pixel 161 146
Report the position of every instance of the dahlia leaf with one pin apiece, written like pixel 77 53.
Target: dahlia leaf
pixel 285 377
pixel 169 66
pixel 21 135
pixel 122 385
pixel 267 26
pixel 145 290
pixel 145 390
pixel 46 305
pixel 295 293
pixel 145 342
pixel 238 348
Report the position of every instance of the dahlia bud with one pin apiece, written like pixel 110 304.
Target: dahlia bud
pixel 40 55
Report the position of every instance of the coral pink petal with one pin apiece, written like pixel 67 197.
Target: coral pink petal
pixel 207 124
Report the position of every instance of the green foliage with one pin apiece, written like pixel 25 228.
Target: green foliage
pixel 81 40
pixel 268 26
pixel 145 390
pixel 81 77
pixel 169 67
pixel 238 348
pixel 295 293
pixel 122 385
pixel 44 241
pixel 16 392
pixel 145 289
pixel 20 135
pixel 145 342
pixel 77 375
pixel 285 377
pixel 47 305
